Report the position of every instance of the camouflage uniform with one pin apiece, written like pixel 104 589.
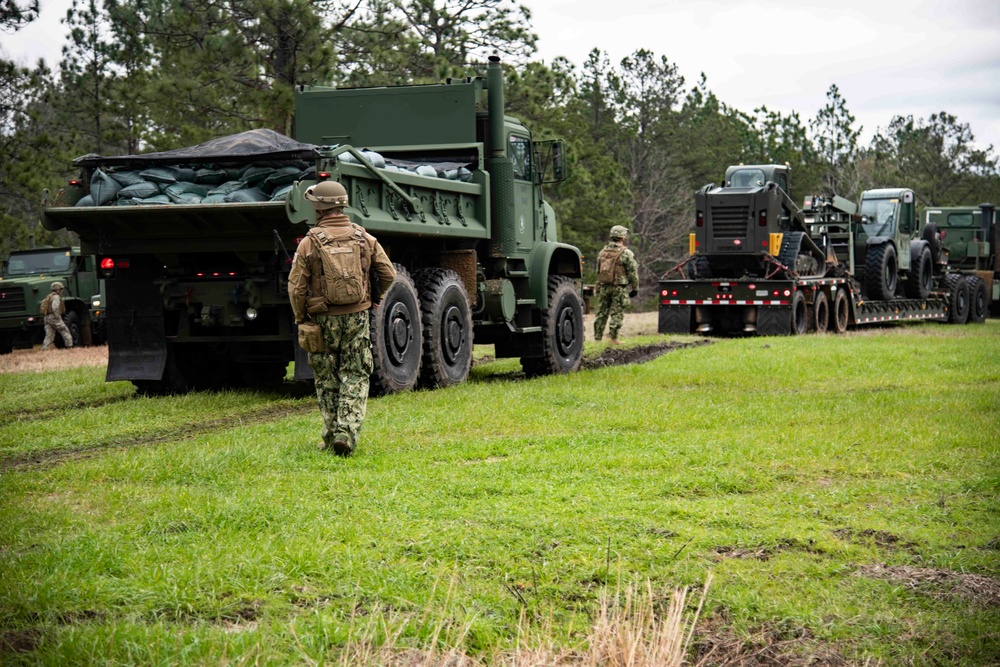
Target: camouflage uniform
pixel 341 373
pixel 612 298
pixel 54 321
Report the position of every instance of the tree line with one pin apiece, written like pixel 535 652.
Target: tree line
pixel 150 75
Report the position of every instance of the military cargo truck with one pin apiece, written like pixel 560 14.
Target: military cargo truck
pixel 964 241
pixel 27 279
pixel 761 265
pixel 450 185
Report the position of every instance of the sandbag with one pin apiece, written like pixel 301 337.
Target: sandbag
pixel 214 199
pixel 227 187
pixel 280 177
pixel 103 188
pixel 281 192
pixel 126 178
pixel 153 201
pixel 254 175
pixel 247 195
pixel 211 176
pixel 177 191
pixel 166 175
pixel 140 190
pixel 86 200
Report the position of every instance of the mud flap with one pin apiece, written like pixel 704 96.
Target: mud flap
pixel 137 346
pixel 774 321
pixel 674 320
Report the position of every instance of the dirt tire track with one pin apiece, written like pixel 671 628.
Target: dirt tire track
pixel 34 414
pixel 53 457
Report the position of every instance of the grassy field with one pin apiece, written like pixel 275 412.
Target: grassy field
pixel 842 494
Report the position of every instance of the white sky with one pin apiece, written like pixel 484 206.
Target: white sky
pixel 888 57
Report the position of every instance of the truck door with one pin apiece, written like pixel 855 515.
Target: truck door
pixel 525 214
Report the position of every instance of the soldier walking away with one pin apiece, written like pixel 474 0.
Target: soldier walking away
pixel 53 309
pixel 617 281
pixel 329 284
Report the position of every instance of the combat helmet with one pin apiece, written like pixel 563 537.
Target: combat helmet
pixel 57 286
pixel 326 195
pixel 619 232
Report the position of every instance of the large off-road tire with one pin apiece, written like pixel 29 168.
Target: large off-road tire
pixel 881 272
pixel 562 331
pixel 841 312
pixel 675 320
pixel 447 327
pixel 800 314
pixel 72 321
pixel 397 339
pixel 920 281
pixel 979 300
pixel 932 235
pixel 958 297
pixel 820 312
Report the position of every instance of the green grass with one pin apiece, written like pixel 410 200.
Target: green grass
pixel 208 529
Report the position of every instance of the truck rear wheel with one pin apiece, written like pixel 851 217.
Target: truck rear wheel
pixel 921 279
pixel 800 317
pixel 396 338
pixel 820 312
pixel 841 312
pixel 562 331
pixel 979 303
pixel 447 328
pixel 958 293
pixel 881 272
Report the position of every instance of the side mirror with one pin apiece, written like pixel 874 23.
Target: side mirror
pixel 550 158
pixel 908 197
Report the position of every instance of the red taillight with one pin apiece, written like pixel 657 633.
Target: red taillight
pixel 123 263
pixel 199 275
pixel 299 239
pixel 107 263
pixel 323 174
pixel 751 286
pixel 699 219
pixel 788 292
pixel 762 218
pixel 663 293
pixel 76 183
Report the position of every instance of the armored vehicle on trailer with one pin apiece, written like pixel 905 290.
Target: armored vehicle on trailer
pixel 452 188
pixel 760 265
pixel 27 279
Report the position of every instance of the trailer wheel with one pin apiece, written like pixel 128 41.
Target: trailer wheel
pixel 447 327
pixel 979 303
pixel 562 331
pixel 800 317
pixel 921 279
pixel 72 321
pixel 841 312
pixel 396 338
pixel 881 272
pixel 820 312
pixel 958 292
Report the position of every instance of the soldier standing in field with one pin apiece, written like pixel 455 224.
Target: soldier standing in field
pixel 328 284
pixel 53 309
pixel 617 281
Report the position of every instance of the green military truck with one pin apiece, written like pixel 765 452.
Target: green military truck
pixel 27 279
pixel 451 186
pixel 964 241
pixel 761 265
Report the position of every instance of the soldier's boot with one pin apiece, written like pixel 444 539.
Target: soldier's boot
pixel 341 447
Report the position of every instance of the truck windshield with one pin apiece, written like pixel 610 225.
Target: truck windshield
pixel 37 263
pixel 747 178
pixel 879 216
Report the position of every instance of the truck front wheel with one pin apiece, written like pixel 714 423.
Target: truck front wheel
pixel 562 331
pixel 397 340
pixel 447 328
pixel 881 272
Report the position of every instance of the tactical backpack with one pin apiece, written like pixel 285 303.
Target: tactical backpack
pixel 47 304
pixel 346 257
pixel 609 269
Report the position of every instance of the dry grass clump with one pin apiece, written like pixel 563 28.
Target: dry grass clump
pixel 36 360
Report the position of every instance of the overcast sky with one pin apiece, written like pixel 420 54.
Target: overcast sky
pixel 888 57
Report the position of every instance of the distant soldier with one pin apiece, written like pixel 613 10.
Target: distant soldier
pixel 53 309
pixel 329 284
pixel 617 280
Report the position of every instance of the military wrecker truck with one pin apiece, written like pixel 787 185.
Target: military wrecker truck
pixel 27 279
pixel 759 264
pixel 964 241
pixel 452 188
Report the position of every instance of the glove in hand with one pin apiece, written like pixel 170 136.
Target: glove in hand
pixel 633 294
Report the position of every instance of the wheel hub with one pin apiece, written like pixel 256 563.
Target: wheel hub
pixel 400 332
pixel 453 332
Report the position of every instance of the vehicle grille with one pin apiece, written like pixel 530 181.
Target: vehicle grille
pixel 730 222
pixel 11 300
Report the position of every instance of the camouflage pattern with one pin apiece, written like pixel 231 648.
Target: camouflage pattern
pixel 612 300
pixel 54 322
pixel 342 376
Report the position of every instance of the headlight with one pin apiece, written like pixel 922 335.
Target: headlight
pixel 251 314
